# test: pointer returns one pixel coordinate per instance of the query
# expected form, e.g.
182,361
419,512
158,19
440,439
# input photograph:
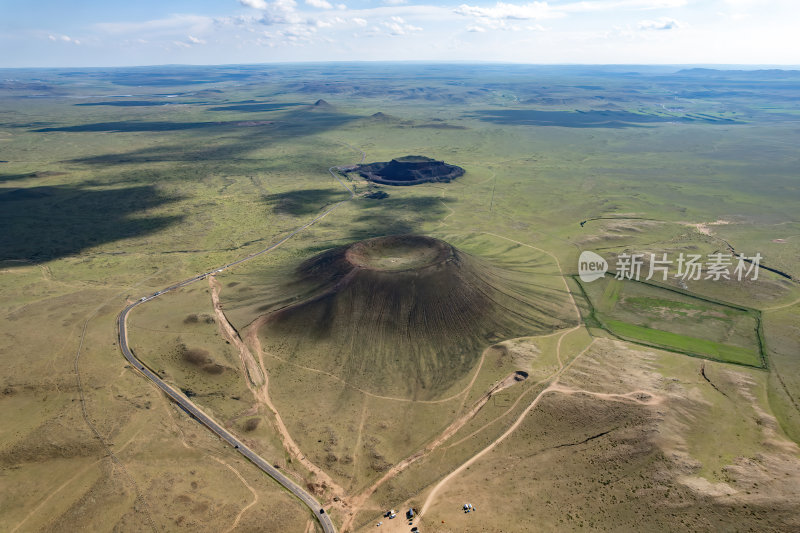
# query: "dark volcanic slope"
409,170
404,315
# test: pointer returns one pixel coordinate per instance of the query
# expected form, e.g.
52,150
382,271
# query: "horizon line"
714,66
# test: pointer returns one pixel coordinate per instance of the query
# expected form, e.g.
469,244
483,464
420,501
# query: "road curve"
207,421
188,406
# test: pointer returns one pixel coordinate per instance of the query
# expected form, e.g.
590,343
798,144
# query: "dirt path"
217,459
357,502
246,484
260,389
490,178
642,397
558,264
357,444
64,485
784,306
553,388
522,396
432,495
471,383
558,346
443,222
254,374
47,274
452,212
52,493
251,334
145,507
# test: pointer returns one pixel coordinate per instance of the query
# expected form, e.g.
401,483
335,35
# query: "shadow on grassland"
28,175
302,120
223,141
248,105
257,107
395,216
188,152
304,201
179,75
581,119
130,103
44,223
137,126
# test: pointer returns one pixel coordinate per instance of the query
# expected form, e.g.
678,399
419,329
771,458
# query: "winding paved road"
188,406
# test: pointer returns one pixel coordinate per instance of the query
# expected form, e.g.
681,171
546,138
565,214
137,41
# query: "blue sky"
71,33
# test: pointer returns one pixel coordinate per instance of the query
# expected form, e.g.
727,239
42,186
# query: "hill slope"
405,315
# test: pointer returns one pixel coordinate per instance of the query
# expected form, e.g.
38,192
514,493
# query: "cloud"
293,25
180,24
663,23
502,15
607,5
320,4
189,42
256,4
278,11
281,12
576,31
295,34
503,11
738,10
541,10
63,38
398,26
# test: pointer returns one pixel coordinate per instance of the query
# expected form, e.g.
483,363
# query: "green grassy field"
676,320
610,296
682,343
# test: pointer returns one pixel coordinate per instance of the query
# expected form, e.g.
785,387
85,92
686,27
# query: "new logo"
591,266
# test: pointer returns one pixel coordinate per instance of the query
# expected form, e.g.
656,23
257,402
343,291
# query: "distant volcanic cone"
409,170
404,315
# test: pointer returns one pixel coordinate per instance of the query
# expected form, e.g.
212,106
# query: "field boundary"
593,320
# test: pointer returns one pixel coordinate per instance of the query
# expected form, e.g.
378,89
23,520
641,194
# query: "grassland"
670,319
688,345
104,199
583,460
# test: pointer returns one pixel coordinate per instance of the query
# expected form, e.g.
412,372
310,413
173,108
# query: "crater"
404,252
409,170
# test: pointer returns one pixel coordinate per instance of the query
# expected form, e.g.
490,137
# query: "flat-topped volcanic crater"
403,315
402,252
409,170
